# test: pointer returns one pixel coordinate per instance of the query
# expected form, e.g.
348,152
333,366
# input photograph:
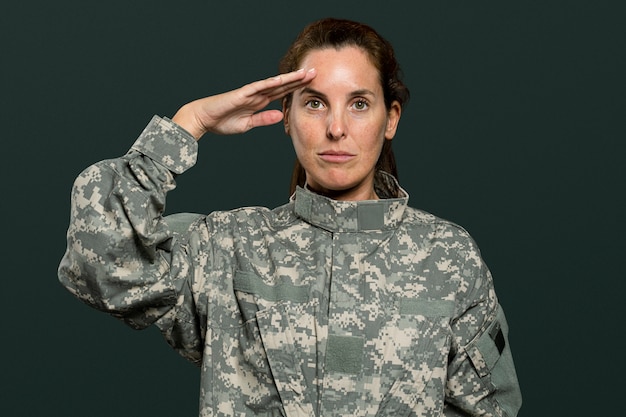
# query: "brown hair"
338,33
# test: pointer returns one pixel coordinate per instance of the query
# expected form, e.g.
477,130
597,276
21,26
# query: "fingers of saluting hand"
236,111
276,87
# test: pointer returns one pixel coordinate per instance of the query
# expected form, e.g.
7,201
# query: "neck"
354,194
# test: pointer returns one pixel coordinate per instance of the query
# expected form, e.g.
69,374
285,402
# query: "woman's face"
338,123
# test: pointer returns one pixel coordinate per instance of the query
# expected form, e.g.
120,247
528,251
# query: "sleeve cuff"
168,144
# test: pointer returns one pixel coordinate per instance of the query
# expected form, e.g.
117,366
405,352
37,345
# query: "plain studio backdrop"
515,130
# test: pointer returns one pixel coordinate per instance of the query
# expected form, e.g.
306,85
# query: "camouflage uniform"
315,308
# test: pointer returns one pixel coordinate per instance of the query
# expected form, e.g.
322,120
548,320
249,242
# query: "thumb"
265,118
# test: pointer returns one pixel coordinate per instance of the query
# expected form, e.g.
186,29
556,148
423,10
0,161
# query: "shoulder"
443,228
442,235
231,222
252,218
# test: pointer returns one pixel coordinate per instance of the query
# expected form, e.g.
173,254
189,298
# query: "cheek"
297,147
300,147
374,138
302,136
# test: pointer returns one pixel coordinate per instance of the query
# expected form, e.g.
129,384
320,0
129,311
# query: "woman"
345,301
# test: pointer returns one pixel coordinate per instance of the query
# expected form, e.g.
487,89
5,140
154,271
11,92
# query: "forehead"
348,66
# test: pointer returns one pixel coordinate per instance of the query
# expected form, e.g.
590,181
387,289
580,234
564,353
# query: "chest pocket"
418,339
254,294
263,356
397,368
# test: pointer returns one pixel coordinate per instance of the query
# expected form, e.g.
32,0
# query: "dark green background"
515,131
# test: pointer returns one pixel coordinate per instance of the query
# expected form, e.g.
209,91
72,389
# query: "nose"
336,126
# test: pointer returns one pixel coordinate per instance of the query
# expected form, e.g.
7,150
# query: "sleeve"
123,257
481,375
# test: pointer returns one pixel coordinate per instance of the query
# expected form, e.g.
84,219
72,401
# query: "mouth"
336,157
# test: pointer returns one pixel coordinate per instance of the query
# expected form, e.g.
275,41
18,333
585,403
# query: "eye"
313,104
360,104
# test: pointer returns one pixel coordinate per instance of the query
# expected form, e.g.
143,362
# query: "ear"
393,118
286,109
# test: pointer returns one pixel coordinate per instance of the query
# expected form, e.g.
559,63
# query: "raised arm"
123,257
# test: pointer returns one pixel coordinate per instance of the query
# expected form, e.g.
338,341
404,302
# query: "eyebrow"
361,92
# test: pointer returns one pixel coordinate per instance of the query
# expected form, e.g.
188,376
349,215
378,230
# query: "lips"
336,157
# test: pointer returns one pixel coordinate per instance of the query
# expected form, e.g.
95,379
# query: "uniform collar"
352,216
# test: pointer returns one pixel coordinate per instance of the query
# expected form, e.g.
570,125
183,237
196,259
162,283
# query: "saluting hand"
239,110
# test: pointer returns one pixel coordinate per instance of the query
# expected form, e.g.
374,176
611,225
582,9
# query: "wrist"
185,118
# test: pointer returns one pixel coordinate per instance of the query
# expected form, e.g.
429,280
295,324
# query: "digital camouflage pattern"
316,308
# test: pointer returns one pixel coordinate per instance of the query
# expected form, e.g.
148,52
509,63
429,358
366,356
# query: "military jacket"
315,308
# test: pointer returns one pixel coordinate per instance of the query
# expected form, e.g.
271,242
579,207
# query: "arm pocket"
486,350
491,356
